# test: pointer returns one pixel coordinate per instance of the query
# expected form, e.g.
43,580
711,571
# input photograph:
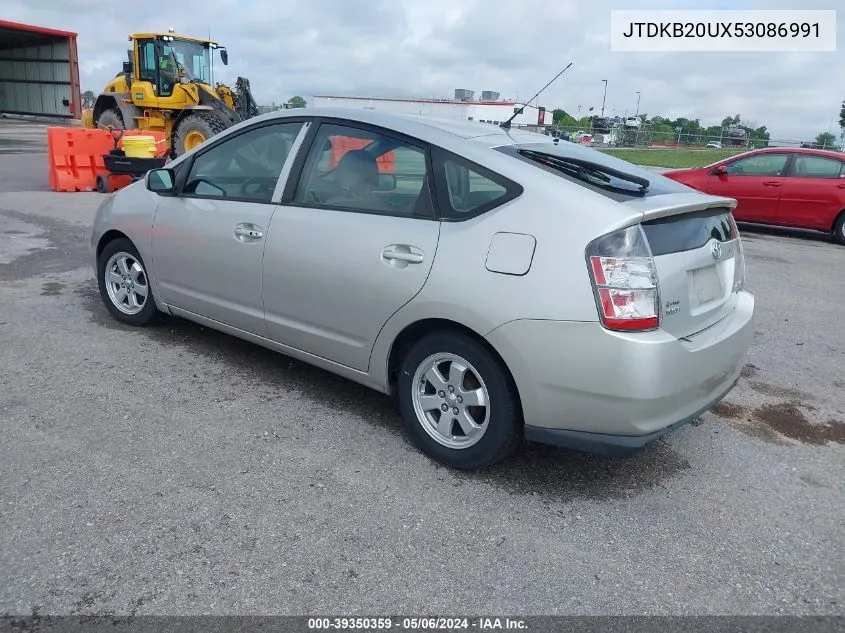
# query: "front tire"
124,284
111,119
194,130
459,401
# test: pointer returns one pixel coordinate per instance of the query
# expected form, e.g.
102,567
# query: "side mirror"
721,170
161,180
127,68
386,182
224,56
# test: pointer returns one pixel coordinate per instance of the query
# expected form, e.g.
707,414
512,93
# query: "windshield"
194,57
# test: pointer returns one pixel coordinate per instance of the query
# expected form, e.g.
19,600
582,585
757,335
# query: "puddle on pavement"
20,239
51,288
21,146
781,423
779,392
30,247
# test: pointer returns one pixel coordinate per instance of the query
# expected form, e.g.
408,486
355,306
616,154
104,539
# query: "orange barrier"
343,144
76,155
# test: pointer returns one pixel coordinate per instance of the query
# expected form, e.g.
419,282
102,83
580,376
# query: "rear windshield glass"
616,188
686,232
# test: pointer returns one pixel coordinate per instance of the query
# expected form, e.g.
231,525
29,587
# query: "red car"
802,188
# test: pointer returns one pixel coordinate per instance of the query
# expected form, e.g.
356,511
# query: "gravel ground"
175,470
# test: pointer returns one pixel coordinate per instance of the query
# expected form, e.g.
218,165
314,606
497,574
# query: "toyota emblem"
716,249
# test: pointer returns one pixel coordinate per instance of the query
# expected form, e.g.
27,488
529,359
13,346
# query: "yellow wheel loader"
166,86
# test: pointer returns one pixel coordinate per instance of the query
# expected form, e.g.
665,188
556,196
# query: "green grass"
673,158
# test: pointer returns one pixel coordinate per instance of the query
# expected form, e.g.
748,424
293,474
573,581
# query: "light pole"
604,97
637,115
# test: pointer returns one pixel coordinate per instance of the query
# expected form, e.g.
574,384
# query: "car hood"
676,172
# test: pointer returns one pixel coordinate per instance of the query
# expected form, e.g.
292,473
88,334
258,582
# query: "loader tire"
111,118
195,129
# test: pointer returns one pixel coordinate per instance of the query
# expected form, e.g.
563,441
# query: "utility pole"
604,97
637,115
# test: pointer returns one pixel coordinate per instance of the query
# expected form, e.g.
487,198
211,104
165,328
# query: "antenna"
507,124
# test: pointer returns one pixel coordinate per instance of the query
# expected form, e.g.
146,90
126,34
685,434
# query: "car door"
755,181
208,239
813,192
352,242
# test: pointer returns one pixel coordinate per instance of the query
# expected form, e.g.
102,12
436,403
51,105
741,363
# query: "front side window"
808,166
364,170
244,167
759,165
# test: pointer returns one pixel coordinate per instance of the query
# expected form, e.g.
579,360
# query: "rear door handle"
772,183
841,185
403,253
246,232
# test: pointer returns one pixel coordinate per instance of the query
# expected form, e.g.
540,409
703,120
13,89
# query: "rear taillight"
625,280
739,262
733,227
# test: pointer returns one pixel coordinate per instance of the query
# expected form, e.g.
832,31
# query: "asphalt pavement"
175,470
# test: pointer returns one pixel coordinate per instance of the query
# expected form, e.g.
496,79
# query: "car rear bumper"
609,445
586,387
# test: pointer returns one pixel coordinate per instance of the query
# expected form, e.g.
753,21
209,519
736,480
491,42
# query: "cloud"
428,48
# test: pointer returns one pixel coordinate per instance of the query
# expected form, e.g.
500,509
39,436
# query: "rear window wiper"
587,171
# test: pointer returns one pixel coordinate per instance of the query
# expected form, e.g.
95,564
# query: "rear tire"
839,229
451,370
195,129
111,119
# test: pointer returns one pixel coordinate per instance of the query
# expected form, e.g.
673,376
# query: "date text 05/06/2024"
416,623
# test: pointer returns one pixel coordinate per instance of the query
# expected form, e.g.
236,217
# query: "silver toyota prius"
501,285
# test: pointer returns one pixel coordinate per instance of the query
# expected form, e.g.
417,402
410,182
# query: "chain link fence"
649,136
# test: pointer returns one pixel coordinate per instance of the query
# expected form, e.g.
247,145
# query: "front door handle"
403,254
841,185
246,232
772,183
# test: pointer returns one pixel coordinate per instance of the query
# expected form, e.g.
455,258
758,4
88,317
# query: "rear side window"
466,189
808,166
686,232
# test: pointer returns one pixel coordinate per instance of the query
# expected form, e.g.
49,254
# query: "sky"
427,48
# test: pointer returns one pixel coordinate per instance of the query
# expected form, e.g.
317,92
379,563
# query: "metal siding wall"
487,112
20,90
446,110
435,109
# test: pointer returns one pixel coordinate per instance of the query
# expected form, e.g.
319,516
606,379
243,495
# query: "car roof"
487,134
795,150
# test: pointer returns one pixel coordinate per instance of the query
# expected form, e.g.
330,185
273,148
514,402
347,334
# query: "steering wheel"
259,180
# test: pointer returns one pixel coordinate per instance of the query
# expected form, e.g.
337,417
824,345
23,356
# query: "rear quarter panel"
561,216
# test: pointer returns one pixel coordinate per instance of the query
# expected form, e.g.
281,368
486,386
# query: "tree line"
693,132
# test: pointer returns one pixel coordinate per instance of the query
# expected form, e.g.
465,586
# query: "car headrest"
357,170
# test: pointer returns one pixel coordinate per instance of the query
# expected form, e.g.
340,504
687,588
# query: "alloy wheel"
126,283
451,400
